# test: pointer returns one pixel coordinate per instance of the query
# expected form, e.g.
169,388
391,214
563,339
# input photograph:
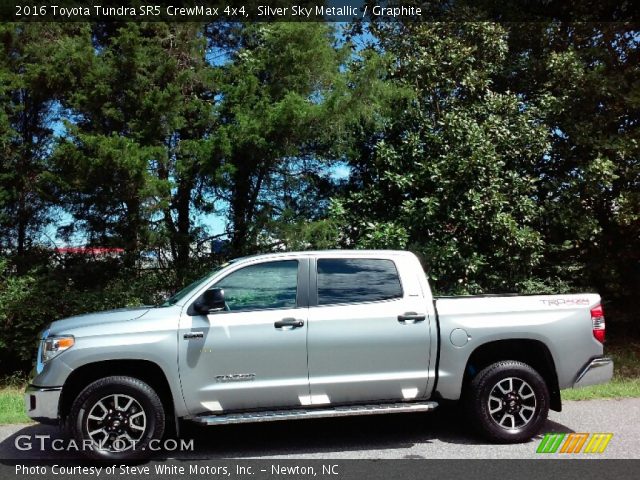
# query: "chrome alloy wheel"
116,423
512,403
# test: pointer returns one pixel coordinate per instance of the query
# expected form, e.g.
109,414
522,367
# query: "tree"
585,78
279,113
30,84
452,175
140,138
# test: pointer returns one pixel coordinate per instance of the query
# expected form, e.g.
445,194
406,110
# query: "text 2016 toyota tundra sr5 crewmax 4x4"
314,334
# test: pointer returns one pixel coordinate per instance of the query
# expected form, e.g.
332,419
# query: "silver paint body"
344,354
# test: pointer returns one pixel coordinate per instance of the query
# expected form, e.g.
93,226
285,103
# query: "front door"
253,354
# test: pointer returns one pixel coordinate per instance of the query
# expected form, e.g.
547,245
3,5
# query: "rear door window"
357,280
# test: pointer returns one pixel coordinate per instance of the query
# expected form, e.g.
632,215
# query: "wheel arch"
532,352
145,370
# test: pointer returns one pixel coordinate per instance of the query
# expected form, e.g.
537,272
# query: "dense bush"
65,287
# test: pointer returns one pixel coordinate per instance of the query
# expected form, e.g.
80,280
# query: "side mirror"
211,300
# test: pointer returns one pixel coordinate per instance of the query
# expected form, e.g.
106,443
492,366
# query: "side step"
321,412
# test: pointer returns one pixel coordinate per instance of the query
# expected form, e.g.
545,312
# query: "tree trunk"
183,233
131,234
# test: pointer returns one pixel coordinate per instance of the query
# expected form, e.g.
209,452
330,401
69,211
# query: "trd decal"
557,302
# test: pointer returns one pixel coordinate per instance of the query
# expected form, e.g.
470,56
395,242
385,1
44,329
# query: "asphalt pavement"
442,434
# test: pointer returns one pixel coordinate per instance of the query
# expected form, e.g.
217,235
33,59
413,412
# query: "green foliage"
29,86
384,235
452,175
582,79
14,292
12,406
282,117
138,158
67,286
512,166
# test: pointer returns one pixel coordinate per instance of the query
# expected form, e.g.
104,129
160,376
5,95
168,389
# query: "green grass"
12,399
12,406
626,375
617,388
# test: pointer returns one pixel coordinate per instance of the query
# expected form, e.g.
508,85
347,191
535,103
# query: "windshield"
176,297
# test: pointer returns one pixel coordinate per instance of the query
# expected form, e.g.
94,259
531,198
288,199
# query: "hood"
99,318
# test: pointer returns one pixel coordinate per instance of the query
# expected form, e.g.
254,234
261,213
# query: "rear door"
253,354
368,336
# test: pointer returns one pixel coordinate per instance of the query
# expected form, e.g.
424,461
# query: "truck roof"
335,252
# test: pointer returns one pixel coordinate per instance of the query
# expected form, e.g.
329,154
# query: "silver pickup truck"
299,335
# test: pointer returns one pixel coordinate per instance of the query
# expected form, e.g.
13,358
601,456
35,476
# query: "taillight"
597,319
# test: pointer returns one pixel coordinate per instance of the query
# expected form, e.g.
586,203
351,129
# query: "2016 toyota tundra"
314,334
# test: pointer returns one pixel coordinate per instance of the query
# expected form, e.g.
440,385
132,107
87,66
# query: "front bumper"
598,370
42,403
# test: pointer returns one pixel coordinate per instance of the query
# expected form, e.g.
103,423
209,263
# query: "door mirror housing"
211,300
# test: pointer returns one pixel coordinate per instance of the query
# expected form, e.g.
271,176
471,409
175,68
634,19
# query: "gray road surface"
441,434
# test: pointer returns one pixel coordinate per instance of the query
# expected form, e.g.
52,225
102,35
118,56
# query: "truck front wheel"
508,402
116,418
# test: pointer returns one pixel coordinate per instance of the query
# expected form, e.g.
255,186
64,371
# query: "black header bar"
330,10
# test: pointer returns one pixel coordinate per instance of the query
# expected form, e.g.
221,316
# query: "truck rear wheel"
508,402
116,417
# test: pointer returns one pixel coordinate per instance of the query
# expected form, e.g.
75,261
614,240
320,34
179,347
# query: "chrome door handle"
411,317
289,322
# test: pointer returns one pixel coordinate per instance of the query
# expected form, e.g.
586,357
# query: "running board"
322,412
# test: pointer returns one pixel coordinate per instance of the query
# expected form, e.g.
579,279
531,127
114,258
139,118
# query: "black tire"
504,410
98,399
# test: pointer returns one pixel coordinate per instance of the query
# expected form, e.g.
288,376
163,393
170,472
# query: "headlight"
54,346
